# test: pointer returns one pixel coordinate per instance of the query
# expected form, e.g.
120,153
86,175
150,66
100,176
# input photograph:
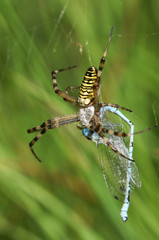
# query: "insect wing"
135,178
114,168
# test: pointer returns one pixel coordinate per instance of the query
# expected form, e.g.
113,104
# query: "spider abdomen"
86,92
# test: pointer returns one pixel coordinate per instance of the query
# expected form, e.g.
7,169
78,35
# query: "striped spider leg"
65,94
59,121
100,69
68,89
50,124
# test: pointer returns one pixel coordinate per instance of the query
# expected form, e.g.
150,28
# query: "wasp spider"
89,106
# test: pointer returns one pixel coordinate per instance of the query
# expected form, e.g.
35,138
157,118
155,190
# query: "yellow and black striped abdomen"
86,92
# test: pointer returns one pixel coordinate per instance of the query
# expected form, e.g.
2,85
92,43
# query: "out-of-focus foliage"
65,197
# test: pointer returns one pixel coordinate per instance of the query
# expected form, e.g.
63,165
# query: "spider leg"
113,105
36,139
104,56
112,147
123,134
101,65
52,123
64,95
55,122
39,127
68,89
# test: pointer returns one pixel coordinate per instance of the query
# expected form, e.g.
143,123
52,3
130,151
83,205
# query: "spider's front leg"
64,95
100,69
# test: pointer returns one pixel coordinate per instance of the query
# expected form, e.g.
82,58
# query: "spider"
89,117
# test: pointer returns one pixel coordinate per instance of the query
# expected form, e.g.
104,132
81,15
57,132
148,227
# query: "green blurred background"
65,196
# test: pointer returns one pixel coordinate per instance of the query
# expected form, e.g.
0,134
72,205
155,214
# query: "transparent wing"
115,167
135,178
